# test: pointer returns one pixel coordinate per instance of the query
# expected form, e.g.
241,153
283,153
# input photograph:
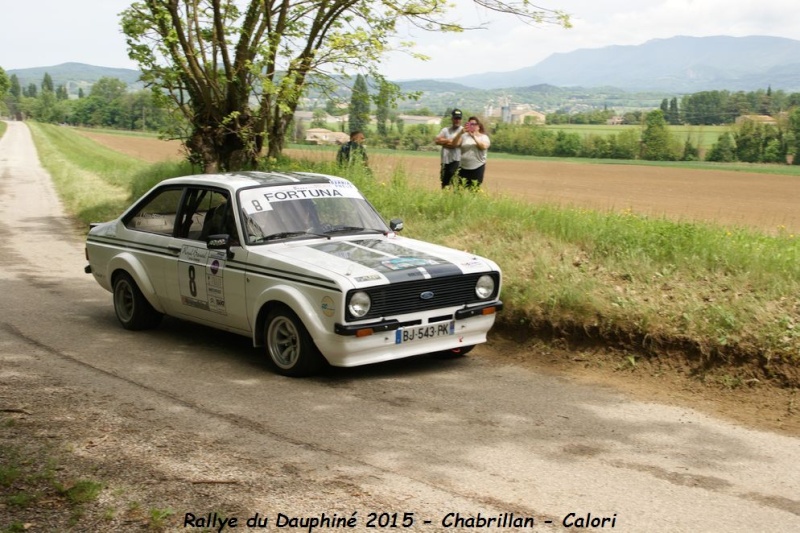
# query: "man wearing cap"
451,155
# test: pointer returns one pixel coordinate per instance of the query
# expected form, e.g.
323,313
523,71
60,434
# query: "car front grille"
407,297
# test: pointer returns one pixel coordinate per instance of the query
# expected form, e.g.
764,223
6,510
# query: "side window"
157,215
207,212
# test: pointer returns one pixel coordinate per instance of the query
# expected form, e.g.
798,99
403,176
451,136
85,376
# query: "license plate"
419,333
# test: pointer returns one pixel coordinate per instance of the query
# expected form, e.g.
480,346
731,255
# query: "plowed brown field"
762,201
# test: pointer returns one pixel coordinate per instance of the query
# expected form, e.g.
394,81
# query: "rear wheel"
133,310
290,348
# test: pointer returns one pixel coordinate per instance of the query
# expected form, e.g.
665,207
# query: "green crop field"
701,136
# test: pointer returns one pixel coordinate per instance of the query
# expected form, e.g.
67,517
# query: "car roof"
239,180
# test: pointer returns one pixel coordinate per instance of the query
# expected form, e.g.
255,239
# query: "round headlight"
359,304
485,287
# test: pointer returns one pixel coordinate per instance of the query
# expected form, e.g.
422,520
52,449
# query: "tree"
656,139
750,140
567,144
706,108
673,116
319,118
16,89
690,151
47,83
5,83
793,136
724,150
105,101
358,119
209,58
382,107
47,108
631,117
104,105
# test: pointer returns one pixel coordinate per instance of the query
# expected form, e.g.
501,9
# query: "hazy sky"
41,33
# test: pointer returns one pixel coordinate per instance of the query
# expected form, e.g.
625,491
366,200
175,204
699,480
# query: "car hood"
380,260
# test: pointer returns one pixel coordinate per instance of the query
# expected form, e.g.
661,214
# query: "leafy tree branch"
237,70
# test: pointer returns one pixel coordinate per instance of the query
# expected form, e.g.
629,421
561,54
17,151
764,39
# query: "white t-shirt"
450,155
473,157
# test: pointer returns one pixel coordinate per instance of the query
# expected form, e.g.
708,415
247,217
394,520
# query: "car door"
206,289
150,237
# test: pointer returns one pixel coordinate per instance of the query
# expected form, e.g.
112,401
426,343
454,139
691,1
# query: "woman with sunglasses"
474,144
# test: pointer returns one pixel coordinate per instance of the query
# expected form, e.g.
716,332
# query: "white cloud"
48,32
41,33
511,44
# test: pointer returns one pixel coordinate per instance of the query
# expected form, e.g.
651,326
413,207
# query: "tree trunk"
224,147
202,151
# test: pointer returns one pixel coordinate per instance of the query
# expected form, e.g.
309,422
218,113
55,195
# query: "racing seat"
215,221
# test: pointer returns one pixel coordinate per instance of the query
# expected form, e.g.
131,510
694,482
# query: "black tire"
455,352
133,310
290,349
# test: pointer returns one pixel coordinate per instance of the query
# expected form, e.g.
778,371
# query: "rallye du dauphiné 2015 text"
395,520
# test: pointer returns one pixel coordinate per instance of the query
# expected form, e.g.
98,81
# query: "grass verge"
717,295
29,479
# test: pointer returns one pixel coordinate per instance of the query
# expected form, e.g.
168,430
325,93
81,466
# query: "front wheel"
290,348
133,310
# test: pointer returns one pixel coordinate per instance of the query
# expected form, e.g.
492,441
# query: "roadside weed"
83,491
158,518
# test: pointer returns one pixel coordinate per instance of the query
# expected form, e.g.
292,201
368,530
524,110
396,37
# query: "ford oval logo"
427,295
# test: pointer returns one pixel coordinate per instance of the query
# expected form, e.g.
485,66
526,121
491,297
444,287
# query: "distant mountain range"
674,65
73,75
669,67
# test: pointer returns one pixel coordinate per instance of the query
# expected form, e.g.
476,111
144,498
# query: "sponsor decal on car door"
201,280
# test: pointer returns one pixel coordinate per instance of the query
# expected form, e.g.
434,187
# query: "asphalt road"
421,436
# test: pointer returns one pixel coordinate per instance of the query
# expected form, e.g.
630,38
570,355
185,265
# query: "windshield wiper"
352,229
290,234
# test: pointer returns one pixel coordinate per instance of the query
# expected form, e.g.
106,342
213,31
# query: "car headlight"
485,287
359,304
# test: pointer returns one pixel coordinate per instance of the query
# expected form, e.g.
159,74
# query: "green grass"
158,518
94,182
650,284
83,491
623,276
29,476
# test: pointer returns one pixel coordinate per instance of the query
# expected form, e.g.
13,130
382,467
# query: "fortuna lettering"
300,194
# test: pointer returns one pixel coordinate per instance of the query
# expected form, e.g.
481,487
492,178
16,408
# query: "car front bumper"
354,346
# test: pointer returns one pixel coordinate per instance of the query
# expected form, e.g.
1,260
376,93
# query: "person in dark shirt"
451,155
353,151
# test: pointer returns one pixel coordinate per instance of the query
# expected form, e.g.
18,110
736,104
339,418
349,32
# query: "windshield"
307,211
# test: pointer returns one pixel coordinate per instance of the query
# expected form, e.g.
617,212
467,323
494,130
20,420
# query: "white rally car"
299,262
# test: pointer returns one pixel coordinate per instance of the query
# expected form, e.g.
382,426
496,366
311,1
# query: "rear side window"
158,214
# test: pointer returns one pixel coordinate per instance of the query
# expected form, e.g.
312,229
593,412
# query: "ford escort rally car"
301,263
